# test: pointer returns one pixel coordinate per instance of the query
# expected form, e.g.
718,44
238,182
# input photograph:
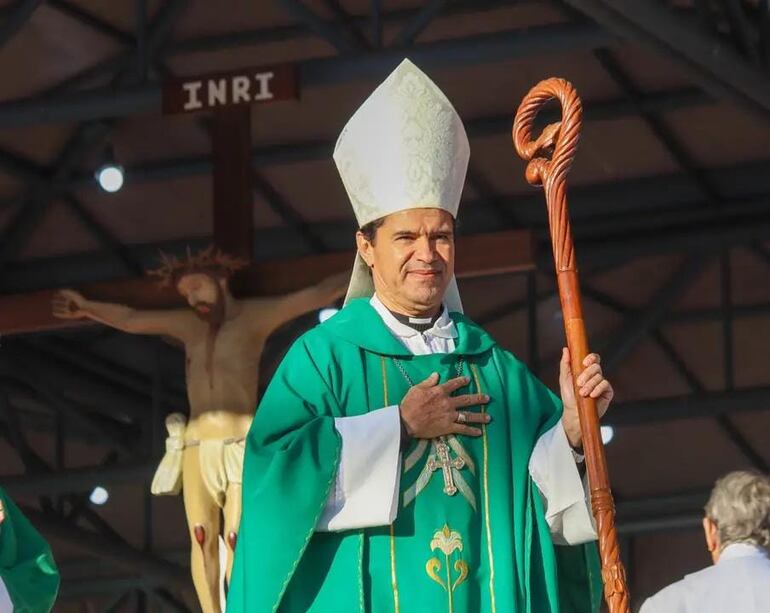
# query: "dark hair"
369,230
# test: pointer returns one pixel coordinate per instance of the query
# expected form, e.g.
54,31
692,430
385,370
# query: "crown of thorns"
210,260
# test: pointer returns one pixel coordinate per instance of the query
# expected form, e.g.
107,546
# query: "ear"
365,249
712,534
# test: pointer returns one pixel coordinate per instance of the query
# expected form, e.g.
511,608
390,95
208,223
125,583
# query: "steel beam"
481,255
707,404
109,550
668,219
78,479
322,28
421,21
346,21
22,168
597,110
97,429
636,327
658,126
761,309
104,236
743,35
110,370
288,214
19,15
77,589
79,144
708,61
97,396
698,238
668,523
219,42
376,9
500,46
92,21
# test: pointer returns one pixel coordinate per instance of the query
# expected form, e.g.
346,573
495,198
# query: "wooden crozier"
549,159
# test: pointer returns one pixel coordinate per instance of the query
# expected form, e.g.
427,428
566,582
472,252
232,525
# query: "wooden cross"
446,464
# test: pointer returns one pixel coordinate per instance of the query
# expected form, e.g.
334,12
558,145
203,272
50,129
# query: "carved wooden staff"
559,141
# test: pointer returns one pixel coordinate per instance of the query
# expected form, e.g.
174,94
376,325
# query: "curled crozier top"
550,156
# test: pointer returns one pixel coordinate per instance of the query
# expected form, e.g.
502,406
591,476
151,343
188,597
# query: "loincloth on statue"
220,461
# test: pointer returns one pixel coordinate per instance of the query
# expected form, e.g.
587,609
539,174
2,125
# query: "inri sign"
214,91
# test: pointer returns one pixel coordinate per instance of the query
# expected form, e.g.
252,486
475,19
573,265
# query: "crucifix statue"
223,338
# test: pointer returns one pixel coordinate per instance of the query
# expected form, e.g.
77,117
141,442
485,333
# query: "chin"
428,298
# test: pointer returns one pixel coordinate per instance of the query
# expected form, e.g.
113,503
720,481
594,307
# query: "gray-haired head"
740,507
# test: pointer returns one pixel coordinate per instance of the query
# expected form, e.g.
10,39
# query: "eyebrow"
446,232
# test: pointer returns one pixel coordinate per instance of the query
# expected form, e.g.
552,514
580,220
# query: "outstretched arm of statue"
272,313
69,304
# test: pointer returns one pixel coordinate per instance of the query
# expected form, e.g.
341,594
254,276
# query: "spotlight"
110,177
325,314
608,433
99,495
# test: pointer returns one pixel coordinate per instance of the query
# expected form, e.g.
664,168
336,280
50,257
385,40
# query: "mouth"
202,308
425,275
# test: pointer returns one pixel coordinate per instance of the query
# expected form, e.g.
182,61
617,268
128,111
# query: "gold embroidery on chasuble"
448,455
393,575
448,575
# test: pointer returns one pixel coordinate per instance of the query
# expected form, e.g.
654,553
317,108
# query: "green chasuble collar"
360,324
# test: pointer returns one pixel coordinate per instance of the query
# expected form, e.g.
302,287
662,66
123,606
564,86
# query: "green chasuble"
486,548
26,564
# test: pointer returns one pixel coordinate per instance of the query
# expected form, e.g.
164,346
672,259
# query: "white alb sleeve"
553,466
365,492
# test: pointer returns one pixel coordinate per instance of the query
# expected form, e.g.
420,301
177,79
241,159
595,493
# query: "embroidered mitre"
404,148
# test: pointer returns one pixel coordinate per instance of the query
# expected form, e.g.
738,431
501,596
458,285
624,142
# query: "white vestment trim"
366,490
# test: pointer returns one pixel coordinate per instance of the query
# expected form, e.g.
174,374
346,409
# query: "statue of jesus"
223,338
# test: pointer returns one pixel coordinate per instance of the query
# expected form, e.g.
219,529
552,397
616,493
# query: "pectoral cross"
442,460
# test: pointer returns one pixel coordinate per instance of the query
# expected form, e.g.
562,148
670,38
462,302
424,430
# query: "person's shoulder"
322,339
472,338
751,568
314,339
671,599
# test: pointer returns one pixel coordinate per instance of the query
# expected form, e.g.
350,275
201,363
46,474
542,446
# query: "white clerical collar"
443,327
742,550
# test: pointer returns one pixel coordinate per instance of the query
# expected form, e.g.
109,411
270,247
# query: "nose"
425,250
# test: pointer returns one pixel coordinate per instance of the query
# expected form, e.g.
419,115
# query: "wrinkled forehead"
419,219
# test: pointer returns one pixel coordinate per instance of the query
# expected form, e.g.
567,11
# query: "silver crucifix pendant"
442,460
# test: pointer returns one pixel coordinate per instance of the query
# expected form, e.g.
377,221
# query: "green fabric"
292,454
26,565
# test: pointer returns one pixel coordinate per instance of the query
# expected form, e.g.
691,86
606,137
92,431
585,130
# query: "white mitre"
404,148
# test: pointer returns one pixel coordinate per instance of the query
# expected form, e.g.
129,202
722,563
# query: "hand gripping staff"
558,142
